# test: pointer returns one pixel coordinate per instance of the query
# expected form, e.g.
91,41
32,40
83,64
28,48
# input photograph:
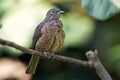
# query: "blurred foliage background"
88,25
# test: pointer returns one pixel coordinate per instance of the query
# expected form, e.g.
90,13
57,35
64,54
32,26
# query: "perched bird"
48,37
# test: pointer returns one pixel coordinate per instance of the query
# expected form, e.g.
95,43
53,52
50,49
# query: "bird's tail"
32,64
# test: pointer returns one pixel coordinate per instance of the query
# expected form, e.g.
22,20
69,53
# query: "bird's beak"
61,12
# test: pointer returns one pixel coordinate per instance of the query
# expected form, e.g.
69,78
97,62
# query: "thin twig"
100,70
56,57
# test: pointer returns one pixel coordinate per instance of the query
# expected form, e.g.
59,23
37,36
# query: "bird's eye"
53,11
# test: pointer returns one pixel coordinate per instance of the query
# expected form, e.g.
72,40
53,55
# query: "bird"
48,37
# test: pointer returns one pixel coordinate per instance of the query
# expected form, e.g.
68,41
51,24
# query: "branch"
93,63
100,70
56,57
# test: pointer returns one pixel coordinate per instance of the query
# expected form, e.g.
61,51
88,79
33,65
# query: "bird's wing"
37,34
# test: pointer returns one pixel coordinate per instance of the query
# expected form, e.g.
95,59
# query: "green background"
88,25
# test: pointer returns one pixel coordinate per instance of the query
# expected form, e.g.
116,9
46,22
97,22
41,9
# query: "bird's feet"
49,55
45,54
52,56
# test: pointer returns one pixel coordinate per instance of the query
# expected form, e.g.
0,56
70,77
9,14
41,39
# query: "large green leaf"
101,9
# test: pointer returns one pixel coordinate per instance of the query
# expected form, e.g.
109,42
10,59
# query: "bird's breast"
58,41
52,38
52,44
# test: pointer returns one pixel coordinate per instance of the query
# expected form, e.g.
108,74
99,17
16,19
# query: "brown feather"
48,37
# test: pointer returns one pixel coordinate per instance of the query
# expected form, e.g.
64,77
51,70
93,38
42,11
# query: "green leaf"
101,9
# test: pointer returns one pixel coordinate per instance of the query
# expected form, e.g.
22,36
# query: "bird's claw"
45,54
52,56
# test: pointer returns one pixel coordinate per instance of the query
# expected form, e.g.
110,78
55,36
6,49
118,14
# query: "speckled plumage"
48,37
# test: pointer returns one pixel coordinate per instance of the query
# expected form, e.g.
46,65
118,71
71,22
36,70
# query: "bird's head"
54,13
